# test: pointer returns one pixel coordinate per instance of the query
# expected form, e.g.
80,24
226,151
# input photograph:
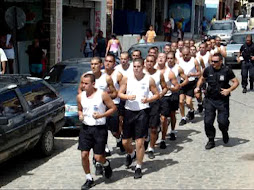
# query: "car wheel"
46,143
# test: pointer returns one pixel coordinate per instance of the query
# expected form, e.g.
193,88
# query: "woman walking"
113,46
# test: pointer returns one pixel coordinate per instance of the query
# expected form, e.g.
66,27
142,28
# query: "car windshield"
239,39
242,19
66,73
221,26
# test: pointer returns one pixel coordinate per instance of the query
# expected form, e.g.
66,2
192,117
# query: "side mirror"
4,121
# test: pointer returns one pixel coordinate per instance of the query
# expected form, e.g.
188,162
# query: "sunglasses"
215,61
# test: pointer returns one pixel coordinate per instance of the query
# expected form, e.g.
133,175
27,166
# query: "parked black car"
31,112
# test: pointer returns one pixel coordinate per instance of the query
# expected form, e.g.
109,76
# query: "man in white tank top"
152,51
193,53
103,81
161,62
167,49
165,103
136,54
205,56
113,120
173,100
174,46
219,48
192,69
180,46
154,114
124,66
135,90
92,103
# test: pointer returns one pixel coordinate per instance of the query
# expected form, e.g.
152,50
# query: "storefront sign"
58,52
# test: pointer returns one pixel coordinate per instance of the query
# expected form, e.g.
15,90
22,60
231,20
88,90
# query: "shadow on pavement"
183,136
29,160
198,118
147,168
233,141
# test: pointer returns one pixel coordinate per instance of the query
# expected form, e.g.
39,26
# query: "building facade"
60,24
156,11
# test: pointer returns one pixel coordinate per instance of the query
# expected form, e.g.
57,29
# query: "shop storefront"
36,26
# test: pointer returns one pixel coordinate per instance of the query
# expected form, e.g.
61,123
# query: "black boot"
210,144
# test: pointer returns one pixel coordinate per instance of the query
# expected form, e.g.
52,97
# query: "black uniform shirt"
247,51
216,80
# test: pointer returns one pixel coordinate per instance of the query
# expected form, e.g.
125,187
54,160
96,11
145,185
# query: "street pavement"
184,164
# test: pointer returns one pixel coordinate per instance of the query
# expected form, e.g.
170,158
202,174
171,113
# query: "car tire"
46,143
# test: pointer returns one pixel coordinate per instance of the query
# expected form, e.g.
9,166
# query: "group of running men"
136,99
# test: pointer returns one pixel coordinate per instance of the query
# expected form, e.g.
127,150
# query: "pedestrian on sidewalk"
150,34
179,26
9,52
141,38
3,60
92,104
167,27
87,46
100,44
218,91
247,53
113,46
36,55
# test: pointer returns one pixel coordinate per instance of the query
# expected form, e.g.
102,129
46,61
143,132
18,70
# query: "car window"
9,104
37,94
221,26
239,39
242,19
66,73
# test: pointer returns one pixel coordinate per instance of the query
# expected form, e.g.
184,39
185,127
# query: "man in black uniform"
217,97
247,52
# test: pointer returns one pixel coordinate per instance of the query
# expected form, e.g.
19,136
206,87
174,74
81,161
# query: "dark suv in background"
31,112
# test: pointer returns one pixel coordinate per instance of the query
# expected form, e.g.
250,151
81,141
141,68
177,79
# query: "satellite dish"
15,17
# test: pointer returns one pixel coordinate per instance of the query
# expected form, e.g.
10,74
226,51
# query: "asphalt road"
184,164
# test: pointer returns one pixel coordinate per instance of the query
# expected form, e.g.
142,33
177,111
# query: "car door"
15,134
38,97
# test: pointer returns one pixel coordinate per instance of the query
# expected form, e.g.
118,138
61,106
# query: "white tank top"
120,69
116,85
91,105
205,58
157,79
175,70
139,88
168,82
101,83
177,54
188,67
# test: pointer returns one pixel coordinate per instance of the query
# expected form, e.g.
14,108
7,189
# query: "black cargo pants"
222,107
247,68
